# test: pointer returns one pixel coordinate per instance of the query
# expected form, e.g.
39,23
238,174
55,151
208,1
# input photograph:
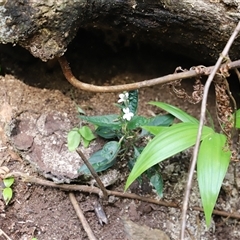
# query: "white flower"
127,114
123,97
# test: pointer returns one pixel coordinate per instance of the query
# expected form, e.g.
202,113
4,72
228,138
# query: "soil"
31,89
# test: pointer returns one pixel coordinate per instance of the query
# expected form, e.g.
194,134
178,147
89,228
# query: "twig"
95,190
81,217
93,172
4,234
203,112
131,86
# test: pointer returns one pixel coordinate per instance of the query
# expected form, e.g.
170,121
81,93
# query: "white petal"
126,110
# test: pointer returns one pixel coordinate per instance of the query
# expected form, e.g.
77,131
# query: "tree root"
193,72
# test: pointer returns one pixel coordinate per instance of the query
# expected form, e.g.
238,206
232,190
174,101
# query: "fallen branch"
93,172
4,234
81,217
95,190
202,118
195,71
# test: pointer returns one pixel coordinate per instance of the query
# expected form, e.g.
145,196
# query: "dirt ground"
28,85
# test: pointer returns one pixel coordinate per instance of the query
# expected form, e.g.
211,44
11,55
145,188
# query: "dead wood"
195,28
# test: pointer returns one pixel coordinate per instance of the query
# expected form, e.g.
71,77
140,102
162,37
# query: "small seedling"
77,134
7,190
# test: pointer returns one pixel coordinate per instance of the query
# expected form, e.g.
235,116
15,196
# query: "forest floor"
31,88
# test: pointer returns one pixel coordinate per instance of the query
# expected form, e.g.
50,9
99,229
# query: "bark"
195,28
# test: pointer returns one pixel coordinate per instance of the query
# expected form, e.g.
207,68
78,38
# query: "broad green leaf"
133,101
157,182
161,120
169,142
176,112
155,122
8,182
86,133
104,120
154,129
73,139
102,159
212,165
136,122
7,194
106,132
98,162
237,124
110,150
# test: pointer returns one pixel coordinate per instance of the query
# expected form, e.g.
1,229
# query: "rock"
41,140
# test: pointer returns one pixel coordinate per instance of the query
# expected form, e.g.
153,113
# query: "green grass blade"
176,112
212,165
170,141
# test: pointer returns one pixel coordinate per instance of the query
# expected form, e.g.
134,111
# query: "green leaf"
103,121
176,112
161,120
133,101
8,182
169,142
110,150
102,160
85,142
136,122
73,139
153,125
237,124
157,182
86,133
154,129
212,165
106,132
7,194
98,162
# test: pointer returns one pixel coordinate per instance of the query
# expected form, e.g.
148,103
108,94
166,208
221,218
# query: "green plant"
213,158
124,136
7,190
77,134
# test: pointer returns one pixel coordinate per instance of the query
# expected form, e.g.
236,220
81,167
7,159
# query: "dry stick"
203,112
4,234
81,217
93,172
95,190
131,86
